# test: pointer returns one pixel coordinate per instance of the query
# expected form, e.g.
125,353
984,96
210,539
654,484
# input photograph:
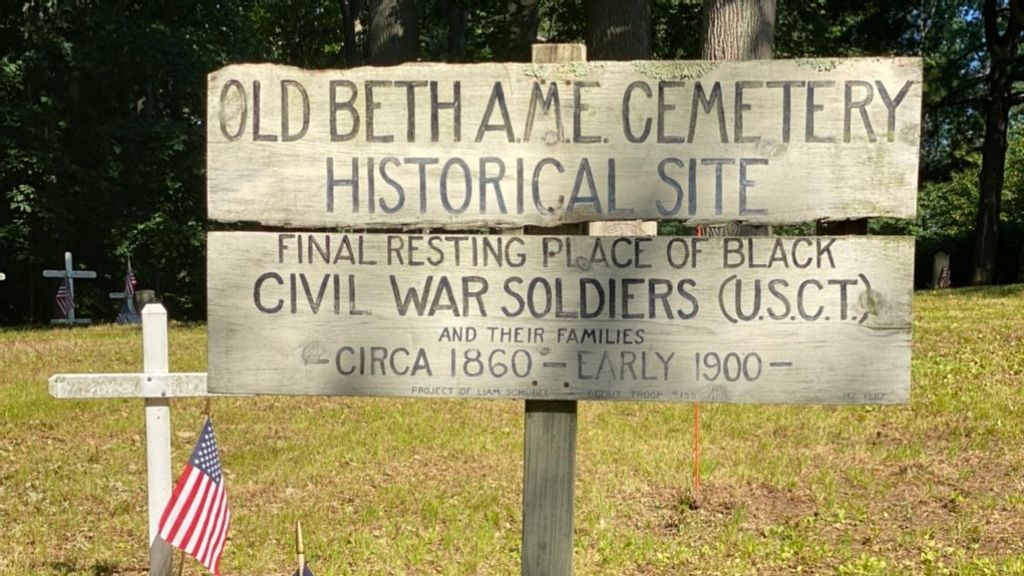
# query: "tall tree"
1004,31
351,12
522,18
618,29
392,34
737,29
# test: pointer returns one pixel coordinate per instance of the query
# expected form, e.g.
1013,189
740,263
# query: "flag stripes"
197,517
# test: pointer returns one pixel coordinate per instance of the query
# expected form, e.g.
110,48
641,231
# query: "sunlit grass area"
435,486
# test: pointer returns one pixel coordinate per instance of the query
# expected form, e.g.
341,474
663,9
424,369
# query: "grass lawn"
435,487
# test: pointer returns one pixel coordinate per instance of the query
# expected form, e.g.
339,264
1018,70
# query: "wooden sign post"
69,274
554,317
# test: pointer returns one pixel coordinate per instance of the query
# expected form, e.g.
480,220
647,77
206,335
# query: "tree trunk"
458,23
392,35
993,171
1002,52
523,18
737,29
351,12
618,30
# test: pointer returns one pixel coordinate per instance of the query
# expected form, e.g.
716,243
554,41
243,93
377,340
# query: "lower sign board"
675,319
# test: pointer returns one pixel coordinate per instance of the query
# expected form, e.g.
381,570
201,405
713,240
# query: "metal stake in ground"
69,273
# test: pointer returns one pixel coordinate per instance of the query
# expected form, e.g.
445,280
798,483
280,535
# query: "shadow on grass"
981,291
98,569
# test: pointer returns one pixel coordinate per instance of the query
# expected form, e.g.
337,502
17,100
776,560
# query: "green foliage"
102,104
102,108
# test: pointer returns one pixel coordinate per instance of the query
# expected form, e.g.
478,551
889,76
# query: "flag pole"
299,550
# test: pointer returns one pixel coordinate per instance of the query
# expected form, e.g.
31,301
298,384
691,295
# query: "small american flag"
196,518
65,299
129,282
127,314
944,281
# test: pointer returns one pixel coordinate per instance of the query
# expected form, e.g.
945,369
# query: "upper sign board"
440,145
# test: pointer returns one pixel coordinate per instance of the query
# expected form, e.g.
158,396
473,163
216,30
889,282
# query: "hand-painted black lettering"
748,183
801,300
541,208
843,296
455,105
773,288
410,105
421,164
395,185
497,99
348,106
509,287
755,305
718,163
578,109
740,108
812,109
495,181
547,102
706,103
787,102
228,104
591,308
628,296
371,106
861,105
286,134
681,288
890,105
593,198
674,184
467,190
664,108
256,135
659,290
333,182
627,127
257,293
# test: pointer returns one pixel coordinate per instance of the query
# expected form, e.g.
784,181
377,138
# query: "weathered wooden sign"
767,320
530,144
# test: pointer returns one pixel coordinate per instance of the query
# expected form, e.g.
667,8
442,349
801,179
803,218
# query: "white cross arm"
182,384
64,274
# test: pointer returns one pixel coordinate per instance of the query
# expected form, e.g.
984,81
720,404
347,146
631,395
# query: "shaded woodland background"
102,106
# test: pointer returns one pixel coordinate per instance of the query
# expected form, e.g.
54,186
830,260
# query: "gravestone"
68,276
143,297
940,271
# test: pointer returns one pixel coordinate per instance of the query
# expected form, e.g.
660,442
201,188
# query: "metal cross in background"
69,274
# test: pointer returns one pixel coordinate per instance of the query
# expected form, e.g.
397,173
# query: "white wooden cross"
70,273
156,386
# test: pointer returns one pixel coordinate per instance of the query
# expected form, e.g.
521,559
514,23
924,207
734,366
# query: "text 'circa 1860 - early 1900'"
768,319
517,144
